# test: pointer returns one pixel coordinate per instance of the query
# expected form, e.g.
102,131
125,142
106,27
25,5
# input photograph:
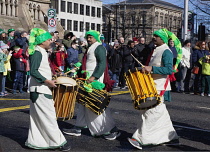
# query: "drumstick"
71,70
138,61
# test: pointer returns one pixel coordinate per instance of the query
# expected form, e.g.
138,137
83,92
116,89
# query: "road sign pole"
185,18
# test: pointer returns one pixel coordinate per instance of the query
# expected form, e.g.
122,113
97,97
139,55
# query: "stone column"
16,10
8,10
3,8
13,10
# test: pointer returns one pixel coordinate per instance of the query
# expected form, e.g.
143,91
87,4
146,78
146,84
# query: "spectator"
22,41
72,56
184,65
200,51
116,63
174,51
69,37
82,48
205,62
3,36
11,38
60,57
19,69
141,47
128,61
3,58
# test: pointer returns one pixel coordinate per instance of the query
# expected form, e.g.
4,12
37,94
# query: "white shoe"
209,95
202,94
134,143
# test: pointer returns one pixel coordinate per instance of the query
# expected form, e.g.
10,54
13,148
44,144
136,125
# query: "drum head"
66,81
147,103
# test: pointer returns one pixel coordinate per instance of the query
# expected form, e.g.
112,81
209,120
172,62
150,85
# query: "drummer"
155,126
94,61
43,131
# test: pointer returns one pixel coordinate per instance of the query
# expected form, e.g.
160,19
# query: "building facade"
23,14
137,18
79,16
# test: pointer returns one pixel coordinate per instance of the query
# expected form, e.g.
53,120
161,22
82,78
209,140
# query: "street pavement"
190,115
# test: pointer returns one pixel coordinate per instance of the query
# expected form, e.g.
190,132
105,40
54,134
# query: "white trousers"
43,131
155,126
97,124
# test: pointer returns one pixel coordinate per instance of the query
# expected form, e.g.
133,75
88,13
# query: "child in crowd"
7,67
19,69
205,77
3,58
60,56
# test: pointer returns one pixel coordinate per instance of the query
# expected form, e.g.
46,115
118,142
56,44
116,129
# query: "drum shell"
64,96
142,89
97,100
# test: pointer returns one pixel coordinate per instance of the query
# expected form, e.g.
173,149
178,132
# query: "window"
81,26
81,9
75,8
75,25
69,7
98,27
63,24
98,12
69,25
156,19
63,6
161,20
93,13
87,26
92,26
166,21
54,4
88,10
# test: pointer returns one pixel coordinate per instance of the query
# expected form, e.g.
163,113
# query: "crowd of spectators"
66,51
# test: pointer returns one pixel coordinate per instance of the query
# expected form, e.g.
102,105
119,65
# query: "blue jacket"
72,56
197,54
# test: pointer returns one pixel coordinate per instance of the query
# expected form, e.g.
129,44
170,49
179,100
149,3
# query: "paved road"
190,115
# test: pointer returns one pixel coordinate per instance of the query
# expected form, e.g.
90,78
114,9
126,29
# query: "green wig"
37,36
165,35
93,33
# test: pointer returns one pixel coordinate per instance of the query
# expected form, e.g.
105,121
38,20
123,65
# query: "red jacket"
60,57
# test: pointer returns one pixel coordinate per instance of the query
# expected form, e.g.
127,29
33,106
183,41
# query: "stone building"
79,16
24,14
136,18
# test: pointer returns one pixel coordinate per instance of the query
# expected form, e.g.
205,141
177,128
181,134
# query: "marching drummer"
43,131
155,126
95,64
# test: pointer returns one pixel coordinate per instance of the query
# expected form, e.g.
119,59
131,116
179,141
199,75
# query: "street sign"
52,22
51,13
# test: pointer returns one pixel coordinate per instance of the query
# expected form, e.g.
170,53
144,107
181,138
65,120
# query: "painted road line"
204,108
14,108
27,106
191,128
12,99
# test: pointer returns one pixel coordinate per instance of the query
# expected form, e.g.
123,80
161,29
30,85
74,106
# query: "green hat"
2,31
93,33
165,35
10,30
37,36
102,37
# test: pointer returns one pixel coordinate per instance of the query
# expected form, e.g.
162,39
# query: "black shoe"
65,147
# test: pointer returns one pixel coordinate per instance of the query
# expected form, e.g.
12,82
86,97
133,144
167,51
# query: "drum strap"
165,86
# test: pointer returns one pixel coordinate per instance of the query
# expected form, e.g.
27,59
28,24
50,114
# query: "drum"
64,96
142,89
97,100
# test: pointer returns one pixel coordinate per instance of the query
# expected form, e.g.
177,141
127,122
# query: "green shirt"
3,58
35,61
100,54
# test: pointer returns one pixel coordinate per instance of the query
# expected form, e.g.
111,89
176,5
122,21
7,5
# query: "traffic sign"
51,13
190,26
52,22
